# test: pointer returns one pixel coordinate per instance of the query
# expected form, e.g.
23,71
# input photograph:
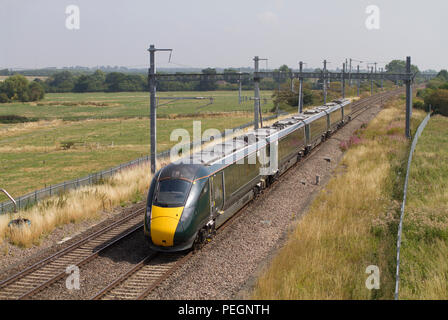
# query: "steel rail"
50,269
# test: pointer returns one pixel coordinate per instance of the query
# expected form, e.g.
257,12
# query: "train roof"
231,150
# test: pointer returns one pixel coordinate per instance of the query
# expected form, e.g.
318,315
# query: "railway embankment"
351,226
229,266
424,249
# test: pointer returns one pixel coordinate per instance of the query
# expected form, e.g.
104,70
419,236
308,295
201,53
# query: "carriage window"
172,193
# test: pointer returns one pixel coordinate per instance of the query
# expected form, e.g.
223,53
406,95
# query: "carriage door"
217,194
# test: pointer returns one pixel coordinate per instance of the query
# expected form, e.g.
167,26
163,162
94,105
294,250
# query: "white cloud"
267,17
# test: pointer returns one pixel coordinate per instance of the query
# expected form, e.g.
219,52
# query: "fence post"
256,93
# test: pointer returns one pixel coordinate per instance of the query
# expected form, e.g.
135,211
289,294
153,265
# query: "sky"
211,33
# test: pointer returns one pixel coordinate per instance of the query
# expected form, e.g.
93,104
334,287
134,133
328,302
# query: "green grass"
129,105
424,263
106,128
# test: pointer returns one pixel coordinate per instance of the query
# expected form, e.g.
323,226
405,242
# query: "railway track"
151,271
47,271
139,280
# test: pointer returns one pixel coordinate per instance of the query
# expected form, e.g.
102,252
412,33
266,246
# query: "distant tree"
207,84
4,72
117,81
16,88
443,74
288,97
399,66
81,84
268,84
91,83
230,75
113,81
3,97
63,81
444,86
35,91
97,81
435,83
438,100
284,68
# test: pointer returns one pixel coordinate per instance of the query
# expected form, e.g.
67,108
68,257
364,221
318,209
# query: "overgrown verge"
352,223
424,252
76,205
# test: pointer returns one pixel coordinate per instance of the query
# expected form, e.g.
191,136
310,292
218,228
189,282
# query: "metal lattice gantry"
324,75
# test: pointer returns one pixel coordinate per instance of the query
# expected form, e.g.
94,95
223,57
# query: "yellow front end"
164,223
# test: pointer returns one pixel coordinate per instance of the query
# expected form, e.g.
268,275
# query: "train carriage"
190,198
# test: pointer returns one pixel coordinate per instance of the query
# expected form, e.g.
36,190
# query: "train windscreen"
172,193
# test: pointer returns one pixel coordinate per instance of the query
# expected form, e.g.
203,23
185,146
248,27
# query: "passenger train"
188,200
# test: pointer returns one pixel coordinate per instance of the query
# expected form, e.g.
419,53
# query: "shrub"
438,100
419,105
35,91
14,119
67,145
18,88
3,97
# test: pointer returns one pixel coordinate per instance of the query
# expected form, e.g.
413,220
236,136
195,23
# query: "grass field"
424,263
80,106
106,129
352,223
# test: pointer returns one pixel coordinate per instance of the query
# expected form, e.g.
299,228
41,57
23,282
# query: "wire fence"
28,200
405,190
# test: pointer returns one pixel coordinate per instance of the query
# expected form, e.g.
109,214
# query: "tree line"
435,95
99,81
18,88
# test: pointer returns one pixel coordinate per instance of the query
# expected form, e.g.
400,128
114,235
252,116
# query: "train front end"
177,207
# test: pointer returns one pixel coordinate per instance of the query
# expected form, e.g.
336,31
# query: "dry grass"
77,205
350,225
19,128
